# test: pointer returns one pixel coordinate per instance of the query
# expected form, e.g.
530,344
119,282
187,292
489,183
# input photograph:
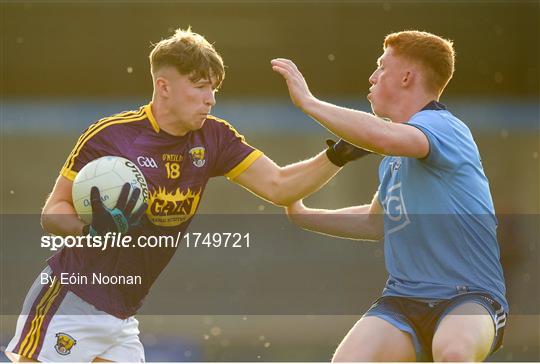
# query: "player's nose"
210,98
373,78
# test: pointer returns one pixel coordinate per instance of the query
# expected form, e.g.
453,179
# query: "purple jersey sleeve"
100,139
234,155
92,144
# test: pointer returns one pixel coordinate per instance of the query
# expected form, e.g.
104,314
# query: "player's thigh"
128,347
466,333
374,339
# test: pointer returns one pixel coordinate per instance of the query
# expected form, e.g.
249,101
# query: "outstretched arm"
284,185
364,222
359,128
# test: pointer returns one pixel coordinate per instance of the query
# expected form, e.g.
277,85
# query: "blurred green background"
66,64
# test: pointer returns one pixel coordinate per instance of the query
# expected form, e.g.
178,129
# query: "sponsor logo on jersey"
197,156
147,162
172,157
64,343
172,208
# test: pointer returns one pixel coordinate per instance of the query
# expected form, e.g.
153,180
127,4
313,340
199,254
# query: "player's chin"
198,123
377,107
373,104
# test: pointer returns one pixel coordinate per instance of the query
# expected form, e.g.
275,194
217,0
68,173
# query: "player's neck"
166,120
411,105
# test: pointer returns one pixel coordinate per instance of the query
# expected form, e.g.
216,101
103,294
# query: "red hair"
434,53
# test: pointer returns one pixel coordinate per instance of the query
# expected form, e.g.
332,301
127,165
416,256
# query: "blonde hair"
434,53
190,54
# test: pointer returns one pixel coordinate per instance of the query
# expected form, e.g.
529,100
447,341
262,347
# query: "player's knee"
460,347
455,351
453,355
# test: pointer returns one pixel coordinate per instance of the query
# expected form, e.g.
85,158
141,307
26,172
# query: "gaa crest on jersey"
197,156
395,210
64,343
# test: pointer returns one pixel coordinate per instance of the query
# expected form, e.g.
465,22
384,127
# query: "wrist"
334,158
309,105
85,230
89,230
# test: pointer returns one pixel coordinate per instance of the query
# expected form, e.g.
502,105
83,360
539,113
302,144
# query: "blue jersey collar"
434,105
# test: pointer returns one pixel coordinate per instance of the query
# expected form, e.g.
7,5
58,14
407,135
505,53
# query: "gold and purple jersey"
177,169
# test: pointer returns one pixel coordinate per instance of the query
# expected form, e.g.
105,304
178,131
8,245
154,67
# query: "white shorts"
57,326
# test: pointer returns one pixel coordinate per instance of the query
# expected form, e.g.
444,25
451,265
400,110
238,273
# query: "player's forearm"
301,179
61,219
351,222
357,127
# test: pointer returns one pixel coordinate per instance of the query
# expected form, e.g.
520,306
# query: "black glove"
116,220
342,152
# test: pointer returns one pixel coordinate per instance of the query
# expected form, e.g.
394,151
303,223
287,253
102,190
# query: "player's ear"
407,79
162,86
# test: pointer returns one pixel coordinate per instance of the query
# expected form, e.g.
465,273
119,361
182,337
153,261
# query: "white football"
108,174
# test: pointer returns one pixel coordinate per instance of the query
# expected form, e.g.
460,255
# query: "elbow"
376,224
47,218
296,213
369,233
276,197
278,193
373,236
45,221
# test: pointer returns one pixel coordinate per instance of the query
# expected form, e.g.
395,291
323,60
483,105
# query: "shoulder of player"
110,125
214,121
220,125
434,118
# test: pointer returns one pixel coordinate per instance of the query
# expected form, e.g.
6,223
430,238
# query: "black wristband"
334,158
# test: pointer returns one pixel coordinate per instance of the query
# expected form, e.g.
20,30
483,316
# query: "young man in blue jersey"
445,295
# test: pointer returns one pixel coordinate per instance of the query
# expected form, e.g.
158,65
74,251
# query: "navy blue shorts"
420,317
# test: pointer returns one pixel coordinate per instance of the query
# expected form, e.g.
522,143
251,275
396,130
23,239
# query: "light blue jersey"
440,226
